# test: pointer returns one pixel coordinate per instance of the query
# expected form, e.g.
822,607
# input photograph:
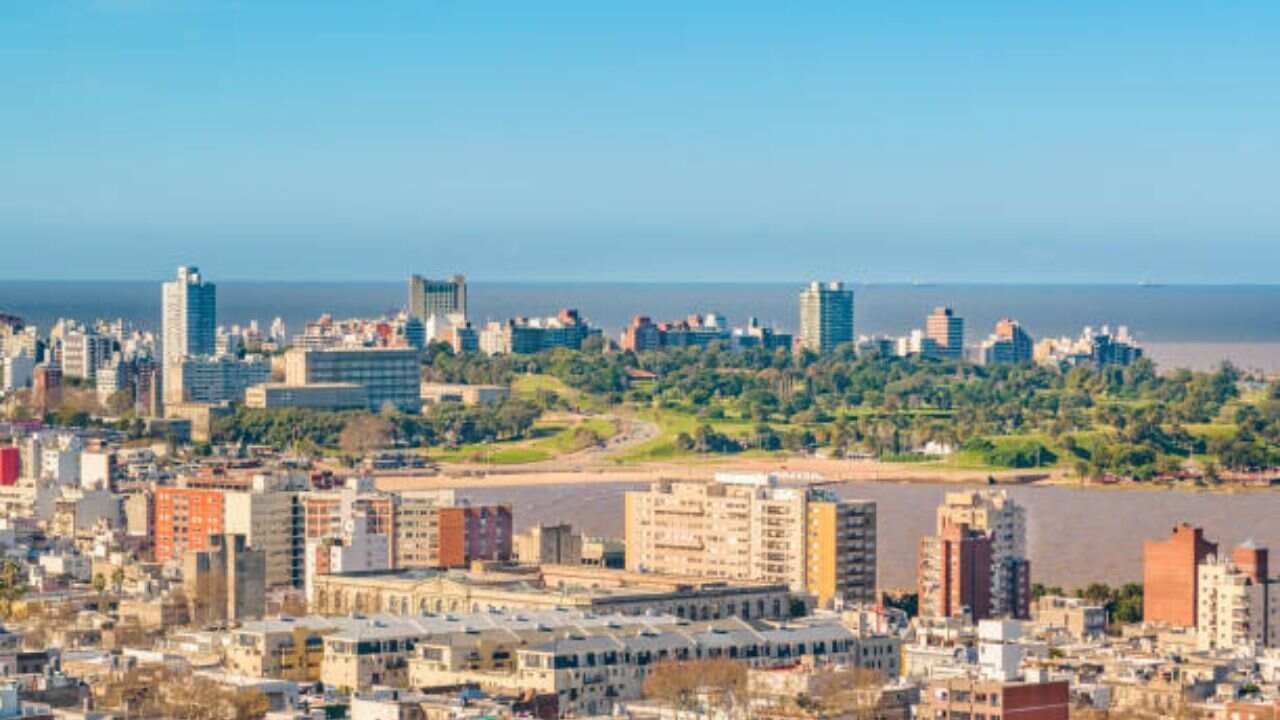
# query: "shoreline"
792,471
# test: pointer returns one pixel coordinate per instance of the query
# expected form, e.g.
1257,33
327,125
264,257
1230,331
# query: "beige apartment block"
747,527
417,527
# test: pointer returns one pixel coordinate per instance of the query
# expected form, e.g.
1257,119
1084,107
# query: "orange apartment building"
1170,576
184,520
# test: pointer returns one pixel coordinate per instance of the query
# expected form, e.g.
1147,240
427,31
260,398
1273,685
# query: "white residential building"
16,371
189,316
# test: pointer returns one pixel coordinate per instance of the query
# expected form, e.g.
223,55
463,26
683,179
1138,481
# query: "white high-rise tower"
189,316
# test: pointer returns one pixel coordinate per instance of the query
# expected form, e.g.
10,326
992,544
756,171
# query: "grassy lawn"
974,460
670,424
548,439
527,386
1212,431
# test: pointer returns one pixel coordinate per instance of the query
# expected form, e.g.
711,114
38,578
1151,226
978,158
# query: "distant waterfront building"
437,298
1097,348
877,346
694,331
746,527
918,344
642,335
388,375
757,335
946,330
521,336
1009,345
189,316
826,316
1170,576
415,333
463,339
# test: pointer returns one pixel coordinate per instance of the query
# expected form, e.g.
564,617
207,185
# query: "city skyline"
659,361
871,142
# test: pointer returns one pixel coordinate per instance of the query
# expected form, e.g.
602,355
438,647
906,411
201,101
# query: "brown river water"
1075,535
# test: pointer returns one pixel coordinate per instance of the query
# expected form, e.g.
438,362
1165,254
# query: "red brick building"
1252,561
968,697
474,533
954,573
10,466
184,520
1169,577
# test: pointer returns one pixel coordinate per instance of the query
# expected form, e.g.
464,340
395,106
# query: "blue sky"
993,141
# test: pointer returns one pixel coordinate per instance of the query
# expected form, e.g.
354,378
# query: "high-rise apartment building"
946,330
1170,576
1010,345
1005,522
746,527
189,316
388,375
1237,608
437,298
953,573
826,316
840,536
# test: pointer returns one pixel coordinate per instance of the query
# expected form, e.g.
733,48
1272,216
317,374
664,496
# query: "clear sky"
980,141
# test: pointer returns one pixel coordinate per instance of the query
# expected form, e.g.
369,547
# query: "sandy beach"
792,470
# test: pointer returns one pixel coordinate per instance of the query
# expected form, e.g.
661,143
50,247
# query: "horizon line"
1144,284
